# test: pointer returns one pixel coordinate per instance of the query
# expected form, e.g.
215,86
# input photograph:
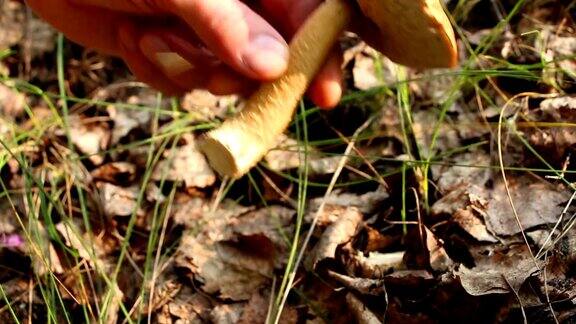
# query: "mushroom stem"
237,145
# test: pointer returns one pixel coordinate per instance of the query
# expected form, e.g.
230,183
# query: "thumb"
229,28
237,35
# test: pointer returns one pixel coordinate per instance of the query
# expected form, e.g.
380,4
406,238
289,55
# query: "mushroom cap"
415,33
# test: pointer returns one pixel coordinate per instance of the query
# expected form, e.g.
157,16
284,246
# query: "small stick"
243,140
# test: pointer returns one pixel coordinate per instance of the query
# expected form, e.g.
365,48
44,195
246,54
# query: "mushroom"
414,33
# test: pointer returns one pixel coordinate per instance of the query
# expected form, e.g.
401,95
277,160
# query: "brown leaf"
87,249
365,203
536,201
90,138
44,257
553,142
498,273
289,153
226,314
563,49
368,74
375,265
12,103
439,259
115,172
236,251
469,221
339,233
202,257
259,233
468,170
118,201
126,120
186,164
203,105
189,307
362,313
375,287
468,194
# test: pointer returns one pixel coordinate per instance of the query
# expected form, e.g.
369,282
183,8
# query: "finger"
91,27
224,81
187,63
140,65
178,61
327,87
142,7
232,31
289,14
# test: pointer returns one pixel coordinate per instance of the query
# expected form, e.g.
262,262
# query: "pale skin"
224,46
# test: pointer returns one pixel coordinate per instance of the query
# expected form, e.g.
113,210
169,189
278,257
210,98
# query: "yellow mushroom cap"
415,33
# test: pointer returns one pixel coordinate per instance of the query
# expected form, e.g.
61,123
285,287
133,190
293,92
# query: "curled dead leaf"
339,233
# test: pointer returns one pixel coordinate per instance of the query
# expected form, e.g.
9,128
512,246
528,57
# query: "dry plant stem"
243,140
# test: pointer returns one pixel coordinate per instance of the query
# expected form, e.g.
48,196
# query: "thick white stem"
242,141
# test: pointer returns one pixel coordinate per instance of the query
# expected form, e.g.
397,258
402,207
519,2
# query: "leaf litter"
382,250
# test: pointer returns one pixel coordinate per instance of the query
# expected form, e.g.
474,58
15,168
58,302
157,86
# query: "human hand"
224,46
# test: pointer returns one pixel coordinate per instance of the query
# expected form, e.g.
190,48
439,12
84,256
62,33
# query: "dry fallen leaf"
537,202
226,314
186,164
362,313
467,207
469,221
126,120
122,173
439,259
553,142
189,307
87,249
339,233
563,49
256,311
237,250
12,23
12,103
375,265
44,256
118,201
201,256
498,272
289,154
90,138
468,169
203,105
366,203
371,69
375,287
468,194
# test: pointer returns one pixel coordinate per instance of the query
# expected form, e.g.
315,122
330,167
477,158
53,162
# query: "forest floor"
425,197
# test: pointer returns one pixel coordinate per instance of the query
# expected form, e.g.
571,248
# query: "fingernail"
157,51
266,56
